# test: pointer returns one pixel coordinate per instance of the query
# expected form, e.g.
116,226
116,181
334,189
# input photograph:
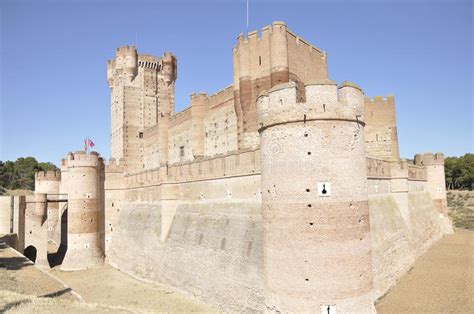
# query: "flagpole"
247,16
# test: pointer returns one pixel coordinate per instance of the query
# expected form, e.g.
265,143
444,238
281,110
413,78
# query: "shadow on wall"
55,259
30,253
13,262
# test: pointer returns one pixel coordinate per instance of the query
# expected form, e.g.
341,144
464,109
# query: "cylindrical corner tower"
317,247
84,196
48,182
436,183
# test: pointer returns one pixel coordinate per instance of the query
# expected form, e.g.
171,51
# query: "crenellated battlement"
82,159
324,101
278,26
380,100
48,176
122,50
429,159
197,97
114,166
149,62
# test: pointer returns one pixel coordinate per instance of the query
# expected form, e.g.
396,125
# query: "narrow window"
140,135
181,151
259,60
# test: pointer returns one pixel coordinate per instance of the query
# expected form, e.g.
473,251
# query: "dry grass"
461,207
13,302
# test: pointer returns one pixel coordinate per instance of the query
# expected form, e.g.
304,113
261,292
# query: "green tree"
20,174
459,172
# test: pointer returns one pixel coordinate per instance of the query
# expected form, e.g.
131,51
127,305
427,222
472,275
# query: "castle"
281,192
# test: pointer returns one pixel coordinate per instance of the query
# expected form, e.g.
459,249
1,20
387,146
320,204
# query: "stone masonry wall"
381,130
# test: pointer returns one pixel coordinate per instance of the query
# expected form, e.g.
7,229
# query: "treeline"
20,174
459,172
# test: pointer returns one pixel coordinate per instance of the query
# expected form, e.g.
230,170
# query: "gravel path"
441,281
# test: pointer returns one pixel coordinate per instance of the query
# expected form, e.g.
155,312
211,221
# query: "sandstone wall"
49,182
151,148
209,242
381,129
35,227
180,138
398,241
205,242
220,126
305,61
5,214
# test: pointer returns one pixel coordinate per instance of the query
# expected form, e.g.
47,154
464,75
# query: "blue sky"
53,62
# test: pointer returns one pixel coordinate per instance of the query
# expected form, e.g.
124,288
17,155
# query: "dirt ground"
18,274
108,286
441,281
25,288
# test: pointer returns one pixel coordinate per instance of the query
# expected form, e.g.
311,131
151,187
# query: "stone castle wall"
197,227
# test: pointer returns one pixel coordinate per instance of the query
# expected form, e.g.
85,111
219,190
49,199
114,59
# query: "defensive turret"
317,246
85,202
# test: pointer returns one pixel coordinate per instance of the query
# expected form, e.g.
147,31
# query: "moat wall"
397,241
213,248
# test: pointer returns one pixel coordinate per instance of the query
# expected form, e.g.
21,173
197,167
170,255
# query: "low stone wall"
5,214
10,239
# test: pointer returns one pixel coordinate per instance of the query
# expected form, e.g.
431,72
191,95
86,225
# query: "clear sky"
53,62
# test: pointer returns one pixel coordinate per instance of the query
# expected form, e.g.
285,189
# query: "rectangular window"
181,151
140,135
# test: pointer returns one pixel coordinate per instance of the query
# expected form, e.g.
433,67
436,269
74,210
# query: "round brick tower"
84,195
436,185
35,228
317,247
48,182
